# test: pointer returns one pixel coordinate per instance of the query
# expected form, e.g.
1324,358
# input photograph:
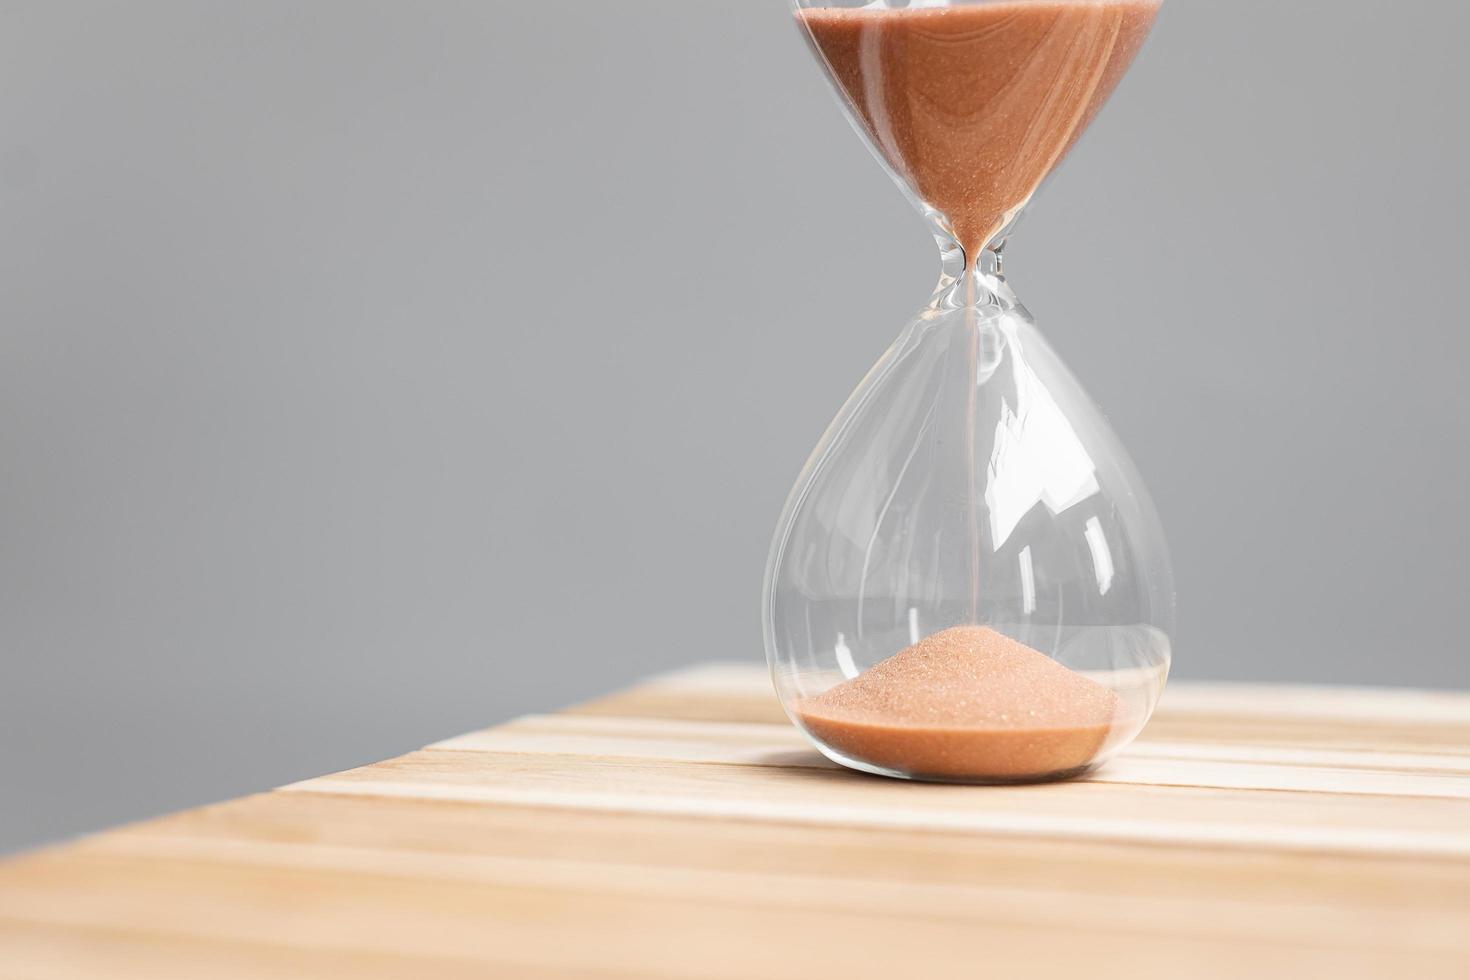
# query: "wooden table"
683,829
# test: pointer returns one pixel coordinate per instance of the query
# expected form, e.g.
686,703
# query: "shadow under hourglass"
814,765
796,759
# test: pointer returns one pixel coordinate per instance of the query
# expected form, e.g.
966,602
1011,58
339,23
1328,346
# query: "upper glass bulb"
969,581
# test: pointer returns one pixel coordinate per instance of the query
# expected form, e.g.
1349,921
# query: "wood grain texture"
682,828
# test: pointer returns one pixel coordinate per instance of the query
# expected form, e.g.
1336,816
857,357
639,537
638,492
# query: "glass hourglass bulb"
969,581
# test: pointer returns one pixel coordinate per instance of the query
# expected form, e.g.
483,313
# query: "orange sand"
966,703
975,104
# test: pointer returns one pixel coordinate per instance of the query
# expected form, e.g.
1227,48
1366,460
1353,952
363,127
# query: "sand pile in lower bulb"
967,703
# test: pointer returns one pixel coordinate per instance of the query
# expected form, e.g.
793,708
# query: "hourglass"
969,581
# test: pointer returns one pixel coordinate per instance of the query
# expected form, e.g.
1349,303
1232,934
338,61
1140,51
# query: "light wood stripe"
785,747
1222,917
396,915
1447,761
1175,816
1297,702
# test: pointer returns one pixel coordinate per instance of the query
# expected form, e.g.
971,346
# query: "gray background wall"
371,372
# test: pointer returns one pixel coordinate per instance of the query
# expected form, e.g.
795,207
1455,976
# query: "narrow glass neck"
965,282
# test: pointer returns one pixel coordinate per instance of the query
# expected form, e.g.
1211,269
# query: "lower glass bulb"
969,581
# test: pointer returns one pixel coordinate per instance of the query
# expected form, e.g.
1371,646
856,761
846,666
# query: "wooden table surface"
684,829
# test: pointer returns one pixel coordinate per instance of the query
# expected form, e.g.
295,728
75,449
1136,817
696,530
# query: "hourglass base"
966,779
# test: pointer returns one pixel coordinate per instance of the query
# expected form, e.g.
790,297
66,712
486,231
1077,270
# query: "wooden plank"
684,829
1166,815
466,829
1158,764
655,930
